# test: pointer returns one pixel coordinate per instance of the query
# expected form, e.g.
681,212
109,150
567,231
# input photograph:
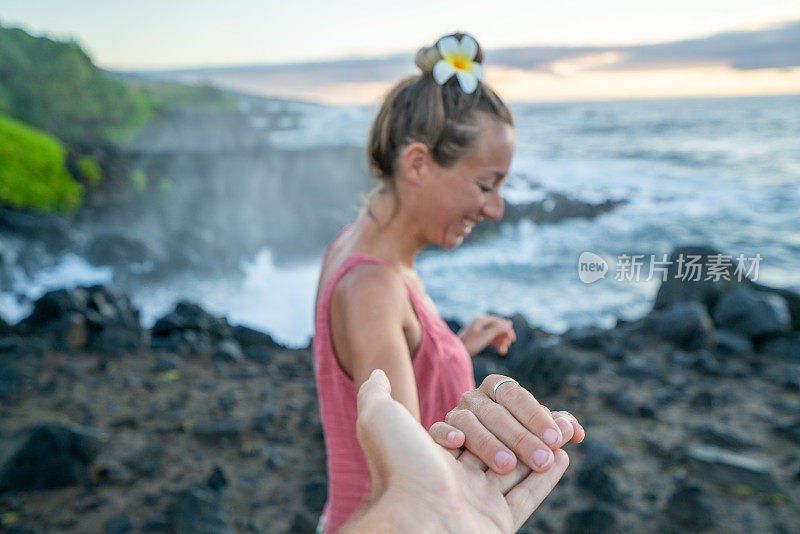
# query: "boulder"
47,456
543,370
597,482
684,287
198,511
588,338
190,316
783,347
97,317
686,324
752,314
731,343
730,469
249,338
691,508
553,208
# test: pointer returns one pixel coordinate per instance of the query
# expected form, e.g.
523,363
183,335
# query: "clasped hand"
454,491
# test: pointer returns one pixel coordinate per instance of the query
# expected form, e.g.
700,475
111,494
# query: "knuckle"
534,418
459,418
520,442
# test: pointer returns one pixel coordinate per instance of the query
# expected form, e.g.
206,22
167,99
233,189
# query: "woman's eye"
485,188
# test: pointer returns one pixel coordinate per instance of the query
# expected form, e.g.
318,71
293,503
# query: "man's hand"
417,485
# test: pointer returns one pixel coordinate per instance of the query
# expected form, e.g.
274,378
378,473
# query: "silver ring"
503,381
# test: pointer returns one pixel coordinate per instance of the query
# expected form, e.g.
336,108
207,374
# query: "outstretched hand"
411,473
487,330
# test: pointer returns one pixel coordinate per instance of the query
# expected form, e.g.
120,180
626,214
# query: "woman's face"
468,192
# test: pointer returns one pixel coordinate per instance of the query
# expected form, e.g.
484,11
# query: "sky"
180,34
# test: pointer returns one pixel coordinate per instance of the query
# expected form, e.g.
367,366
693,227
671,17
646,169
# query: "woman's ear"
414,161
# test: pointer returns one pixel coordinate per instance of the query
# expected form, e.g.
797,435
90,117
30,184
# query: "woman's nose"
493,209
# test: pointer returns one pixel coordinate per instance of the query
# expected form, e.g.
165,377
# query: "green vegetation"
9,519
54,86
89,170
164,186
138,181
32,171
165,97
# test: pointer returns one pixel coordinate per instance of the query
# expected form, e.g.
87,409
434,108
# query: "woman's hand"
488,330
417,486
512,426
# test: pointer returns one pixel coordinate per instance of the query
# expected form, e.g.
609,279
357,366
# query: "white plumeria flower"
458,58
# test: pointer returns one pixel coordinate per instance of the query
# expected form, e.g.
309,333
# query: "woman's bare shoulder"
370,286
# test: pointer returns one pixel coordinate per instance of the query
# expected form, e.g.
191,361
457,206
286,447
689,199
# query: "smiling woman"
440,146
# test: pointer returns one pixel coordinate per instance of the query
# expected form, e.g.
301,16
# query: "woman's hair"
443,117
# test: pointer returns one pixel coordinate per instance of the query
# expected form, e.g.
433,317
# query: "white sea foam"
70,272
279,300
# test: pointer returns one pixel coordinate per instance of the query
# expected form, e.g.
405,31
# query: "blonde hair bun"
426,58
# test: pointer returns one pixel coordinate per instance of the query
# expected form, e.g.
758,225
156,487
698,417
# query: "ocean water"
718,172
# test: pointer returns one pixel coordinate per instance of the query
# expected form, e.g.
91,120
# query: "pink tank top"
443,372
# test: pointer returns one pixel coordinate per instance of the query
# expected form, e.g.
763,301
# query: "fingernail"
502,458
542,457
550,437
451,437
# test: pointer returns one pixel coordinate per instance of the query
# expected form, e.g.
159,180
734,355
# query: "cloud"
775,47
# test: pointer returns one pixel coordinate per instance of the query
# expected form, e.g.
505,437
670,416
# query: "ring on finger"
499,383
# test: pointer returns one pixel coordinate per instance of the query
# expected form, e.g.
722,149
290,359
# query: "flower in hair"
458,58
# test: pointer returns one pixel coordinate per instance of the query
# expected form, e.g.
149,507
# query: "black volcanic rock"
10,382
731,343
592,520
752,314
96,317
691,508
686,324
47,456
315,491
596,480
692,287
730,469
249,338
790,431
784,347
554,208
198,511
190,316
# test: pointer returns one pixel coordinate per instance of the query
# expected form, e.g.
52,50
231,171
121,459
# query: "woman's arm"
368,309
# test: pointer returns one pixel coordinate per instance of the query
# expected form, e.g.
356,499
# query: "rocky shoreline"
196,425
